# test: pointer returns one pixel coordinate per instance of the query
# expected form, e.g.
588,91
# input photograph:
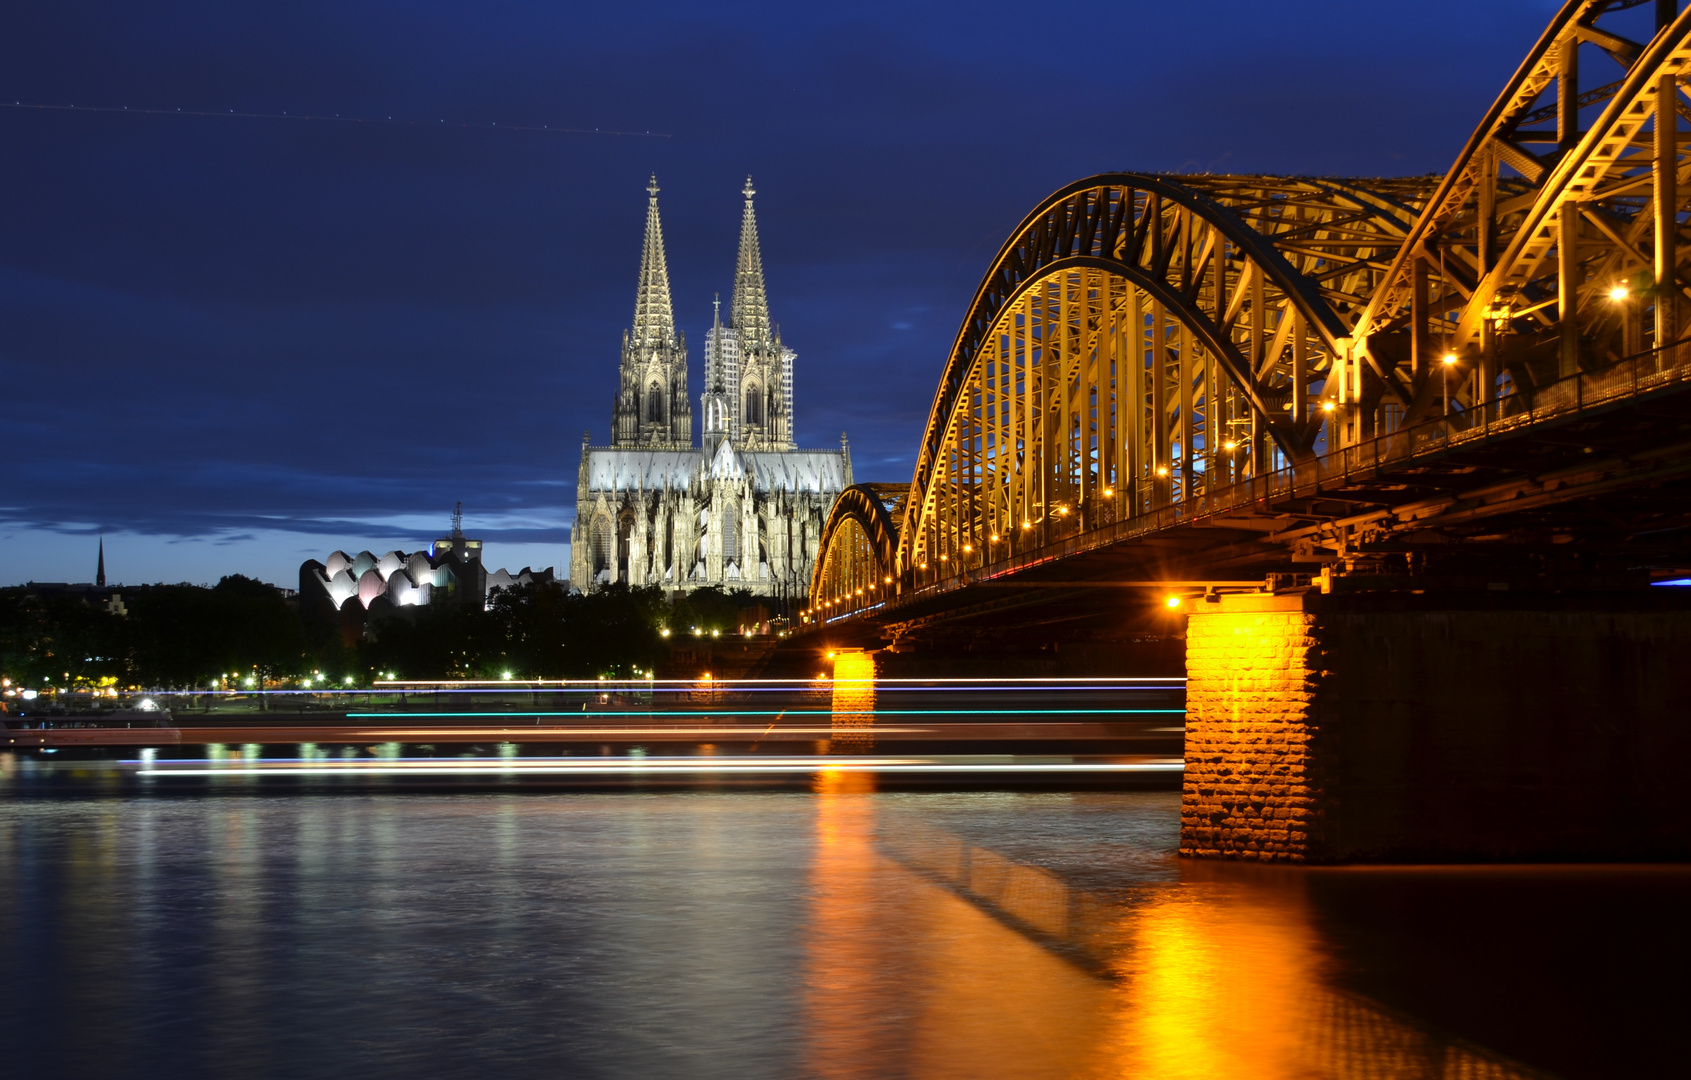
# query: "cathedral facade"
742,509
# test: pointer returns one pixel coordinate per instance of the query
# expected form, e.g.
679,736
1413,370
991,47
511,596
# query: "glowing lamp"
968,548
1618,293
1449,358
1172,602
1229,446
1327,406
1162,470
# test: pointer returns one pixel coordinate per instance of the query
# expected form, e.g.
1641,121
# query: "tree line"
187,636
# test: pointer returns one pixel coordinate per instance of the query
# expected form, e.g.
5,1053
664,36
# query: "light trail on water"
631,765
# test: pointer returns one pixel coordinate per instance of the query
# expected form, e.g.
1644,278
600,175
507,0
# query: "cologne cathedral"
745,507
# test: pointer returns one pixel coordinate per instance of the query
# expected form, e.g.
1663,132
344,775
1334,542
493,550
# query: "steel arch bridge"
1146,345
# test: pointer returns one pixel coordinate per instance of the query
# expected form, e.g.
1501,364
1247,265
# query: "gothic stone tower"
764,394
652,407
744,511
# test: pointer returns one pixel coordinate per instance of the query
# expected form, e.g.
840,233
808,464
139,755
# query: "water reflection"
1222,974
853,706
838,932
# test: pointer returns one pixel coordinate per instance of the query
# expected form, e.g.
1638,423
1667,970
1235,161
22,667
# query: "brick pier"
1398,727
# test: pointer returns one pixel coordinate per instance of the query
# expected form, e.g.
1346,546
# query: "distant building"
745,509
97,593
355,587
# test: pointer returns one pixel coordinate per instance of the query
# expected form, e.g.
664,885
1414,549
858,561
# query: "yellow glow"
1108,492
1229,445
1027,524
1172,602
968,548
1450,358
1618,293
889,579
1162,470
994,540
1327,406
664,632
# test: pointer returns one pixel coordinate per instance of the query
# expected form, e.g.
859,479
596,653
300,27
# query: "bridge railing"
1620,381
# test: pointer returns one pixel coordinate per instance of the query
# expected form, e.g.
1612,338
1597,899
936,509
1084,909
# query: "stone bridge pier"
1462,726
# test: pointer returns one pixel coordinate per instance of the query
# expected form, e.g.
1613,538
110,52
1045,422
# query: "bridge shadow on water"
1221,969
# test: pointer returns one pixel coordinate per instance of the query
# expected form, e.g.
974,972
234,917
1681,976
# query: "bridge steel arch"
1138,339
1143,340
859,546
1554,242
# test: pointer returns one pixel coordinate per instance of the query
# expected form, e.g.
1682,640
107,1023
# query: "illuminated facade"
743,510
450,571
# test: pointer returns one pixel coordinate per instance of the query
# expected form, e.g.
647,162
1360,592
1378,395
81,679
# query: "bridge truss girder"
859,546
1142,340
1137,339
1513,268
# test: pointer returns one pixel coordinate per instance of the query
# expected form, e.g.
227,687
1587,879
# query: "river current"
830,932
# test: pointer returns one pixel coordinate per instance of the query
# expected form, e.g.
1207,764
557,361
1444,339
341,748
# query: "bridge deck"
1493,492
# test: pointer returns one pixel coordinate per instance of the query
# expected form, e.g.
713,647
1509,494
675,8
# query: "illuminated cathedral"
742,509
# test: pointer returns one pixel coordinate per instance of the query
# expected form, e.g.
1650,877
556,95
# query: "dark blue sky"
231,344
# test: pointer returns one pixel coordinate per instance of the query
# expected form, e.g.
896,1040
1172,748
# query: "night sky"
229,344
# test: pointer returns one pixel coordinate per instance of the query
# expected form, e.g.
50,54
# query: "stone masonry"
1253,745
1456,726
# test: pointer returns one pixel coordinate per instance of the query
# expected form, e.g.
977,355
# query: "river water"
834,931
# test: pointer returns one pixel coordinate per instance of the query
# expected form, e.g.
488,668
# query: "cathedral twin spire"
654,316
748,312
748,373
652,407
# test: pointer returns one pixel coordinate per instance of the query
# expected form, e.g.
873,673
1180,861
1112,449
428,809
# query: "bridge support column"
1398,727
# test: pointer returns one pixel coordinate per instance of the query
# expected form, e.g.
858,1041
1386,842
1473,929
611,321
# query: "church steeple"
651,407
764,397
748,312
100,574
654,316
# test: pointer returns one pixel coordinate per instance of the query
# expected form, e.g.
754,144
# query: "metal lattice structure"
1143,341
860,546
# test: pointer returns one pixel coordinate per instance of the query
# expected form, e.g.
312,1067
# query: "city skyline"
233,342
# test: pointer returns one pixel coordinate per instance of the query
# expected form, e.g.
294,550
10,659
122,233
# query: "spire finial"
748,190
652,187
100,574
